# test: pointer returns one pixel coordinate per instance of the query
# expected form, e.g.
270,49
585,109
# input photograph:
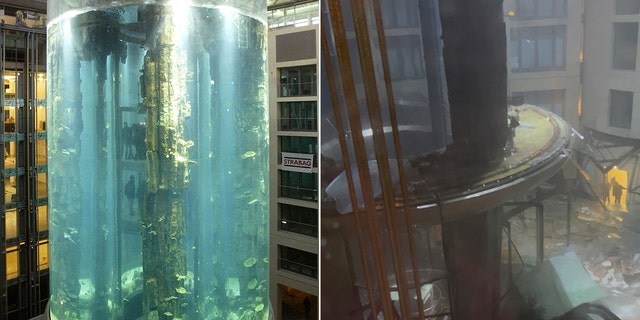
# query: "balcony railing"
299,193
298,124
299,268
299,227
299,15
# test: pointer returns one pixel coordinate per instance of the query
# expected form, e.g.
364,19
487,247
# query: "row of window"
540,9
12,196
298,261
544,48
299,185
299,144
397,16
620,104
298,116
11,219
537,48
298,220
627,7
298,81
17,257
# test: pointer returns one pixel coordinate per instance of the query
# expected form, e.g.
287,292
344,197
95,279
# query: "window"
540,9
298,261
299,116
299,220
41,150
294,144
11,194
13,262
298,81
405,57
299,185
398,16
625,43
550,100
43,255
11,224
627,6
41,186
537,48
40,90
621,109
42,219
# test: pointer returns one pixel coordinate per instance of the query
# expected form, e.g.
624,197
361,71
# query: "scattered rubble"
607,218
604,240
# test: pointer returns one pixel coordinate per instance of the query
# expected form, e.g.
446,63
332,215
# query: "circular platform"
541,147
454,186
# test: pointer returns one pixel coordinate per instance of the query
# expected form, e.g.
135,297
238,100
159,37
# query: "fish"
249,154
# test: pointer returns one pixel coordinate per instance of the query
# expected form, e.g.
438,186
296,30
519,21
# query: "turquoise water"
166,216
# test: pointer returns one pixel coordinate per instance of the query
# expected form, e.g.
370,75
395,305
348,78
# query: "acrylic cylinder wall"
158,160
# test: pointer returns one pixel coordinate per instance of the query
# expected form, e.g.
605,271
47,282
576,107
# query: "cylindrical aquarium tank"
158,159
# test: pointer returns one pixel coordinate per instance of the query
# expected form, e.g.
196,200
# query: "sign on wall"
298,162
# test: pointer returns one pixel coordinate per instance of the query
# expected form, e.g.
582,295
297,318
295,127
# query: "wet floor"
605,238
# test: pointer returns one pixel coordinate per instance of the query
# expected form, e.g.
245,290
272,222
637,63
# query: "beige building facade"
544,40
293,102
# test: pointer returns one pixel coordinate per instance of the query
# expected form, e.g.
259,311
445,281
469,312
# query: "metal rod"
634,173
3,238
449,257
540,233
568,219
358,11
346,161
398,151
507,226
31,195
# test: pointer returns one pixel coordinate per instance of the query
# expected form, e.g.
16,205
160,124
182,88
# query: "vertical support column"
540,234
568,218
3,262
31,196
473,258
475,61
